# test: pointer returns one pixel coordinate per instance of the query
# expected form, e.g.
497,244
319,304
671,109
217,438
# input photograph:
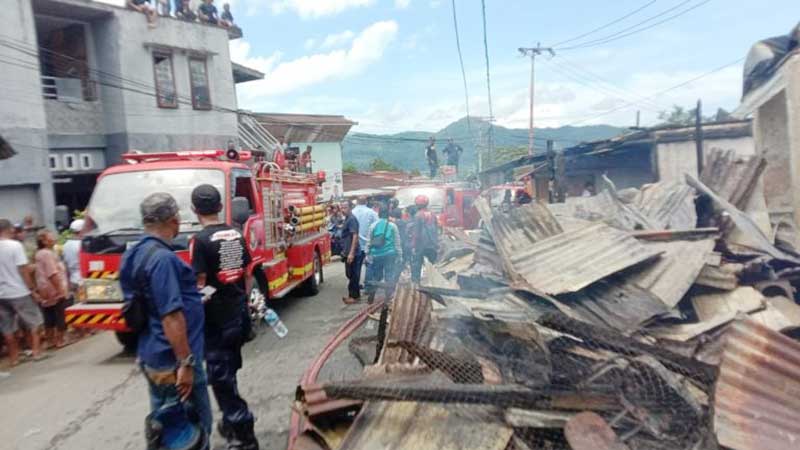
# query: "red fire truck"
275,208
451,202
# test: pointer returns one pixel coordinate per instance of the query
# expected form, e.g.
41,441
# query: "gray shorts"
23,309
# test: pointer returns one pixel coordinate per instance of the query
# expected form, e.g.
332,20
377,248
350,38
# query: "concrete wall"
327,156
25,186
150,128
677,158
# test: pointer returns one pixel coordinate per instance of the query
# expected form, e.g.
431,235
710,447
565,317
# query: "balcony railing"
69,89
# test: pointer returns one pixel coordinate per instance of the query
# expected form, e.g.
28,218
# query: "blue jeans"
383,268
164,395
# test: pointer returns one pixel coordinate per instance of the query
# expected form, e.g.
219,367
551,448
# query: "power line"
659,93
463,72
603,27
631,30
533,52
488,77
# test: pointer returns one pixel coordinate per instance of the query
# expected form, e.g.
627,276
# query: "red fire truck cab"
276,209
451,202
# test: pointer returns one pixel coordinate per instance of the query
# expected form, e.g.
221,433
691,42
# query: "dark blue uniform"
170,286
220,252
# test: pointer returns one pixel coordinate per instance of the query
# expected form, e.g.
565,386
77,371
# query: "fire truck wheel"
128,340
311,285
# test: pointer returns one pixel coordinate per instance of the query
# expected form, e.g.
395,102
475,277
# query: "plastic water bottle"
271,317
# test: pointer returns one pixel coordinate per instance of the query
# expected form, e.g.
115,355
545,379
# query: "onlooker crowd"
386,239
206,12
37,283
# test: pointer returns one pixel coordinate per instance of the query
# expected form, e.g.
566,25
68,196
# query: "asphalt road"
90,396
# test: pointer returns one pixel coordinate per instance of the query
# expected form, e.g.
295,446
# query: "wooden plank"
527,418
421,426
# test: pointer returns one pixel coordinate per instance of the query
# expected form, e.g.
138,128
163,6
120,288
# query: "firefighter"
220,258
424,237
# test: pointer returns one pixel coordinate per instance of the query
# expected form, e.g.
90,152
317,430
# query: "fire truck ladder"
253,136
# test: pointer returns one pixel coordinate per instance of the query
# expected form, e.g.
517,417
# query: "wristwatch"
187,362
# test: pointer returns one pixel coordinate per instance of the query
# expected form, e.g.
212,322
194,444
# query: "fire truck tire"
310,287
129,341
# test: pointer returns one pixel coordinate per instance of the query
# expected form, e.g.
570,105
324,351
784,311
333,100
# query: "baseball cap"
206,199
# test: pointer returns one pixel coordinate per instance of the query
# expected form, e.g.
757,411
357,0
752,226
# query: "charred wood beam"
608,339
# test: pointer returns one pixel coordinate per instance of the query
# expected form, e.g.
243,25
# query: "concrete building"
324,133
631,160
87,81
774,103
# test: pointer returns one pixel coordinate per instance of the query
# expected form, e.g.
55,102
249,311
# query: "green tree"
686,116
505,154
349,168
379,164
415,173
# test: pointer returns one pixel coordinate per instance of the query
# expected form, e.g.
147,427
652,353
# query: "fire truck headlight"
102,291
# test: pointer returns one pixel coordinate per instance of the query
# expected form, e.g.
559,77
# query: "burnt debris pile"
660,318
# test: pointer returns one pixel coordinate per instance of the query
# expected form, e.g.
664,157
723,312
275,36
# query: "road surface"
89,396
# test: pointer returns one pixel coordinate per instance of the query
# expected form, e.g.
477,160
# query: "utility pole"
533,52
698,136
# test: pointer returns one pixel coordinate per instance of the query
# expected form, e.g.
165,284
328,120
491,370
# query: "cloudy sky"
392,65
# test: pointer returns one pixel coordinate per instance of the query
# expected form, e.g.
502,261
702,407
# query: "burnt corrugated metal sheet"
615,304
523,226
410,316
732,177
570,261
669,205
603,207
757,395
670,278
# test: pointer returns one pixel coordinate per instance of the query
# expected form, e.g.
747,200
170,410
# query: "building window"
53,162
198,76
86,161
166,94
69,162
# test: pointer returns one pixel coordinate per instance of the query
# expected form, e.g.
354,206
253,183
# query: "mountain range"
406,150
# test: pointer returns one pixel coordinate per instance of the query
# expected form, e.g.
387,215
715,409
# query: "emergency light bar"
188,155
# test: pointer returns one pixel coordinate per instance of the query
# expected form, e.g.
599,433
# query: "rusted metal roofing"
410,316
603,207
669,205
570,261
757,394
732,178
670,278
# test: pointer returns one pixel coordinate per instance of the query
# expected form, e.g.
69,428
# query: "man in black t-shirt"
353,257
432,157
220,259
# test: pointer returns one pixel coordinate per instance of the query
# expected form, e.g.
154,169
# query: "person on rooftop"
185,12
227,17
208,12
147,8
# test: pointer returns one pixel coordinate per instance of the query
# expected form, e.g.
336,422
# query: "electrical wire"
488,78
603,27
659,93
625,32
463,72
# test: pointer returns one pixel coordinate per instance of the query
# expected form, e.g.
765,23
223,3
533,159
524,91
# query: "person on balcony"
185,12
147,8
208,12
227,17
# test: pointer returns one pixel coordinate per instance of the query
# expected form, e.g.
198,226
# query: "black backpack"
134,311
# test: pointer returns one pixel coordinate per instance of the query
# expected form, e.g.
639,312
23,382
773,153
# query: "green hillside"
406,150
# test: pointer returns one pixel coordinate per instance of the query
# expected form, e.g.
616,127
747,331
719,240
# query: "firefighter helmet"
421,200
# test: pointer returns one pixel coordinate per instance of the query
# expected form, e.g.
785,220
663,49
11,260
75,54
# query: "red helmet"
421,200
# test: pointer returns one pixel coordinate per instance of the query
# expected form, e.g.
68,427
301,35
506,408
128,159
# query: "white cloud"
337,39
284,77
401,4
436,3
312,9
310,43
